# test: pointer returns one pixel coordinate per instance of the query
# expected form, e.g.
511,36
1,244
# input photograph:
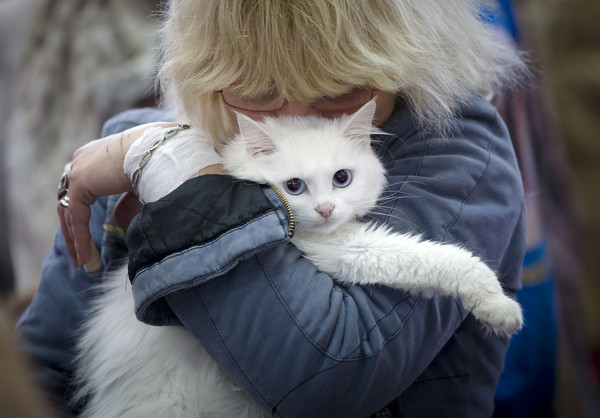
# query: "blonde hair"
434,54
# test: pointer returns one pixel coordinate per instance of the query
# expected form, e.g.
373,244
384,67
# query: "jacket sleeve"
214,255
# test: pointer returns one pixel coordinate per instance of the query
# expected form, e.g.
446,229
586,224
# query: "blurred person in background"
66,67
567,39
548,368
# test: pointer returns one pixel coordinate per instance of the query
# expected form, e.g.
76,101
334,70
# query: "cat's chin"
323,228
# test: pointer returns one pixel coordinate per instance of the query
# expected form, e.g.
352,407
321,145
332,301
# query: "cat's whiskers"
402,220
402,185
384,199
387,208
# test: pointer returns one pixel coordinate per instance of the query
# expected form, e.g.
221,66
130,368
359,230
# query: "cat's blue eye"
342,178
295,186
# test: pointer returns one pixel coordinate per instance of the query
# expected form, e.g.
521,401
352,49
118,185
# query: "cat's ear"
257,139
360,124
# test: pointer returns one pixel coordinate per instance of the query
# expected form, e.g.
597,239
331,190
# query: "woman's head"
432,53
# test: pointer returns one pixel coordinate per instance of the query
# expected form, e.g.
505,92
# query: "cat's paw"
499,314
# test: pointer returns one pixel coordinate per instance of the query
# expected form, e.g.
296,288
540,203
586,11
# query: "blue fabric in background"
503,16
526,387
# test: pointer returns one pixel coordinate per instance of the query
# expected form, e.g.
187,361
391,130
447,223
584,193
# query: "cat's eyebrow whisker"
379,142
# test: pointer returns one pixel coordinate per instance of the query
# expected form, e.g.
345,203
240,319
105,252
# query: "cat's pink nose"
325,209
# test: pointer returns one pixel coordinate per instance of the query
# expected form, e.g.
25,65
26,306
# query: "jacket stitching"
209,242
197,213
340,361
146,238
152,297
196,280
317,345
230,355
433,379
422,158
400,184
202,215
477,182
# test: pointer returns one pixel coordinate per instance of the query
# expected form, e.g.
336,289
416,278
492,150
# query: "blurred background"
66,66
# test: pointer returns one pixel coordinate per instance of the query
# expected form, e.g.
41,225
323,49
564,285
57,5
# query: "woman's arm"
214,255
95,170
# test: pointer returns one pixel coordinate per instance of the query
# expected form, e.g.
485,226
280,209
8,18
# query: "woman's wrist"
125,139
119,144
161,158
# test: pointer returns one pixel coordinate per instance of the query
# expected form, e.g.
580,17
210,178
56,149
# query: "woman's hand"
96,170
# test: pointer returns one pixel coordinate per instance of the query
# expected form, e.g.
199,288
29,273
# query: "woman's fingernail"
95,262
76,261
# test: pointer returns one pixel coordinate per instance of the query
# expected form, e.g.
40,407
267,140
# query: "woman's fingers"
95,262
74,223
78,222
96,170
75,229
67,233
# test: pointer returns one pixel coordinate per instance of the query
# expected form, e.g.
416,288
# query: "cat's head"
325,167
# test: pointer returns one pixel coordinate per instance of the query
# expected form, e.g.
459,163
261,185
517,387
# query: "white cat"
327,173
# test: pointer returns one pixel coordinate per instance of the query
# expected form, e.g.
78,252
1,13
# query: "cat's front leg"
367,254
374,254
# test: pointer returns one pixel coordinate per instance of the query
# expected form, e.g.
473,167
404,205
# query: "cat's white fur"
131,369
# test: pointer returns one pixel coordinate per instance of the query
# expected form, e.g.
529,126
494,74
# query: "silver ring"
64,202
63,187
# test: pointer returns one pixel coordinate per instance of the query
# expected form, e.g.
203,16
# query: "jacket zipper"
291,225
